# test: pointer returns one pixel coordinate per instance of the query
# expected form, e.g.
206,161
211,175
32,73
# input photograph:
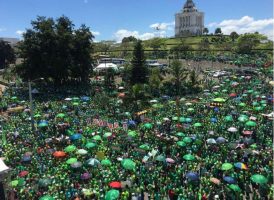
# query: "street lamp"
31,103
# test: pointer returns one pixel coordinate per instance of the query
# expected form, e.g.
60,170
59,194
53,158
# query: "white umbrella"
153,101
232,129
93,162
211,141
188,104
68,99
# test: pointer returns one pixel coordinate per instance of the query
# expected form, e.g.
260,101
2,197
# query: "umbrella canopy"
192,176
97,137
189,157
160,158
211,141
229,118
197,125
128,164
232,129
144,147
82,152
59,154
229,180
251,123
180,134
60,115
187,140
71,161
44,182
76,136
240,165
220,140
43,124
85,176
115,184
260,179
226,166
148,126
112,195
235,188
76,165
46,197
243,118
132,133
219,100
107,134
106,162
181,143
90,145
93,162
215,180
170,160
70,148
23,173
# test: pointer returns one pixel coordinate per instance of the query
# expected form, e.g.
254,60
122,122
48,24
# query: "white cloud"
19,32
163,26
246,24
95,33
120,34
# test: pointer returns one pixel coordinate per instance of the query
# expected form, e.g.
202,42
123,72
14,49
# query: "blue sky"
114,19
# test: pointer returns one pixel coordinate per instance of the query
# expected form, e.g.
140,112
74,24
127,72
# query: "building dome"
189,4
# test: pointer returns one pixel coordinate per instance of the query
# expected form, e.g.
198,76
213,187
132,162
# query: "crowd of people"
217,145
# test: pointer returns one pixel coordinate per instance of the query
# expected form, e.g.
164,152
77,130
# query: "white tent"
34,91
104,66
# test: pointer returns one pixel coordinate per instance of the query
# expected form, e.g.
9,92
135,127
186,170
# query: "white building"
189,21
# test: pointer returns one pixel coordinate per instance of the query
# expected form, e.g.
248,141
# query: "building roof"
189,4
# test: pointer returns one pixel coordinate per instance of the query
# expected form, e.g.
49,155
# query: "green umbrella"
42,124
260,179
97,137
75,104
255,104
148,126
235,188
243,118
112,195
189,157
197,125
258,108
90,145
244,95
250,91
132,133
70,148
61,115
128,164
160,158
107,134
219,100
106,162
14,98
229,118
44,182
14,183
71,161
175,118
263,102
182,119
187,140
144,147
75,99
242,104
227,166
190,109
180,134
181,143
46,197
250,124
37,115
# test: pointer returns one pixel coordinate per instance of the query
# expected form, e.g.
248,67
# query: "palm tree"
194,82
176,74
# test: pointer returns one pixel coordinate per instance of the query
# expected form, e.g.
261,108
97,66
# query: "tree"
249,41
234,35
181,50
55,50
155,81
176,75
139,72
129,39
7,55
218,31
205,31
156,44
109,78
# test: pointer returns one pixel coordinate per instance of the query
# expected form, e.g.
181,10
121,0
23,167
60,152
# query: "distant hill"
12,41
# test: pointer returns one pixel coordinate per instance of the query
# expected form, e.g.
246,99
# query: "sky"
115,19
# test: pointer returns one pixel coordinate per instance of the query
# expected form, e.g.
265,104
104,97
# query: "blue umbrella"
192,176
85,98
166,97
213,120
229,180
220,140
131,122
76,136
188,120
216,109
26,158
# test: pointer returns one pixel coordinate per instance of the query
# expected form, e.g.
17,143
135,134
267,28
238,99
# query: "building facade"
189,21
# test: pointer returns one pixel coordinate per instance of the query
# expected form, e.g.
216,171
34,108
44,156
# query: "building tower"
189,21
